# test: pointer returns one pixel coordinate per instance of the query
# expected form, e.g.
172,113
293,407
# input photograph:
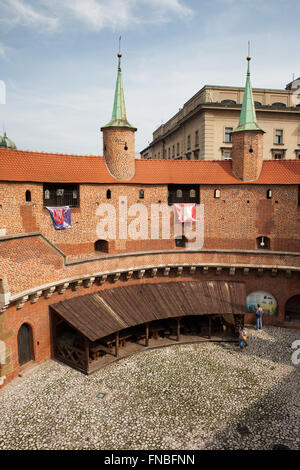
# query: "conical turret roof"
248,120
119,118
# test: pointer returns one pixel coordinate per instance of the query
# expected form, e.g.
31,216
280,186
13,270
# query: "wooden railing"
71,355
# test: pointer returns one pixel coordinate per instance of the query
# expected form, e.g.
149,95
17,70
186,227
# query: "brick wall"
235,220
38,317
247,154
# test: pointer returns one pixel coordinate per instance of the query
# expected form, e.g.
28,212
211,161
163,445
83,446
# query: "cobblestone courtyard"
199,396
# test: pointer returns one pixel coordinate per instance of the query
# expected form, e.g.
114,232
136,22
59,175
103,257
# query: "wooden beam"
178,329
147,335
86,345
117,345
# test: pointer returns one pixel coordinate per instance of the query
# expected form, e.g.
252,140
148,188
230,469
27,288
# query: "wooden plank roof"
100,314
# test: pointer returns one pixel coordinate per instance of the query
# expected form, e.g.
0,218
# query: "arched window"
108,194
278,105
141,194
28,195
217,194
192,193
25,344
179,193
101,245
263,243
228,102
257,104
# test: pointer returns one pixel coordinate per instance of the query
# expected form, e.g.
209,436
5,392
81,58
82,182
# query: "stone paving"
198,396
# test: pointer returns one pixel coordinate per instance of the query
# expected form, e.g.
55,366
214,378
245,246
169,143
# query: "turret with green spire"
247,139
118,137
247,120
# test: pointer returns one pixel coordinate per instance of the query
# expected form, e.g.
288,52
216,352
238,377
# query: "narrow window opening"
28,195
108,194
263,243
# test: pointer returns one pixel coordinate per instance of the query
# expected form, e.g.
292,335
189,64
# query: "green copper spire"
119,118
247,120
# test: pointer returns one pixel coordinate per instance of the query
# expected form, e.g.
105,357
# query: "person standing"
259,313
242,338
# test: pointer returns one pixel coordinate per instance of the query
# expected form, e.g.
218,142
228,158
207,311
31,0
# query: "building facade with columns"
70,292
202,128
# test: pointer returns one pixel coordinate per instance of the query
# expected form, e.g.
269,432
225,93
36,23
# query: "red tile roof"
18,165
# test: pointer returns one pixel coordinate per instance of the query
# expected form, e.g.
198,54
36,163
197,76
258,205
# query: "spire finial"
119,118
248,115
119,53
249,56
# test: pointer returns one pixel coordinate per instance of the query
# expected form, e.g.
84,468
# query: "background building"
201,130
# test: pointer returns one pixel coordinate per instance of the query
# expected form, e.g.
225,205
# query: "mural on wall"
267,302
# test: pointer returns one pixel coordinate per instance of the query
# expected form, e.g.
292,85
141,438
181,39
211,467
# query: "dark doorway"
25,345
292,311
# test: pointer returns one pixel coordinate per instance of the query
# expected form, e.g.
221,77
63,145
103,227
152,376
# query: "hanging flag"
186,212
61,217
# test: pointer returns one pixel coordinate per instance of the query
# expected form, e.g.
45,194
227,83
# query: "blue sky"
58,61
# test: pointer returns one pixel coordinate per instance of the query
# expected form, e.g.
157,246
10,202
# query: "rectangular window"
61,194
178,149
227,155
278,136
173,151
196,138
188,142
196,154
185,193
169,152
228,134
278,156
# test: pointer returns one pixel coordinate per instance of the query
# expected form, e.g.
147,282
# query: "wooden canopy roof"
100,314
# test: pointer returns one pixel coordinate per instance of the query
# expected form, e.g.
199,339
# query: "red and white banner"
186,212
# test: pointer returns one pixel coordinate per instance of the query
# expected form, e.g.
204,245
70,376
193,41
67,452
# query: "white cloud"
163,8
101,14
19,12
95,14
2,50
